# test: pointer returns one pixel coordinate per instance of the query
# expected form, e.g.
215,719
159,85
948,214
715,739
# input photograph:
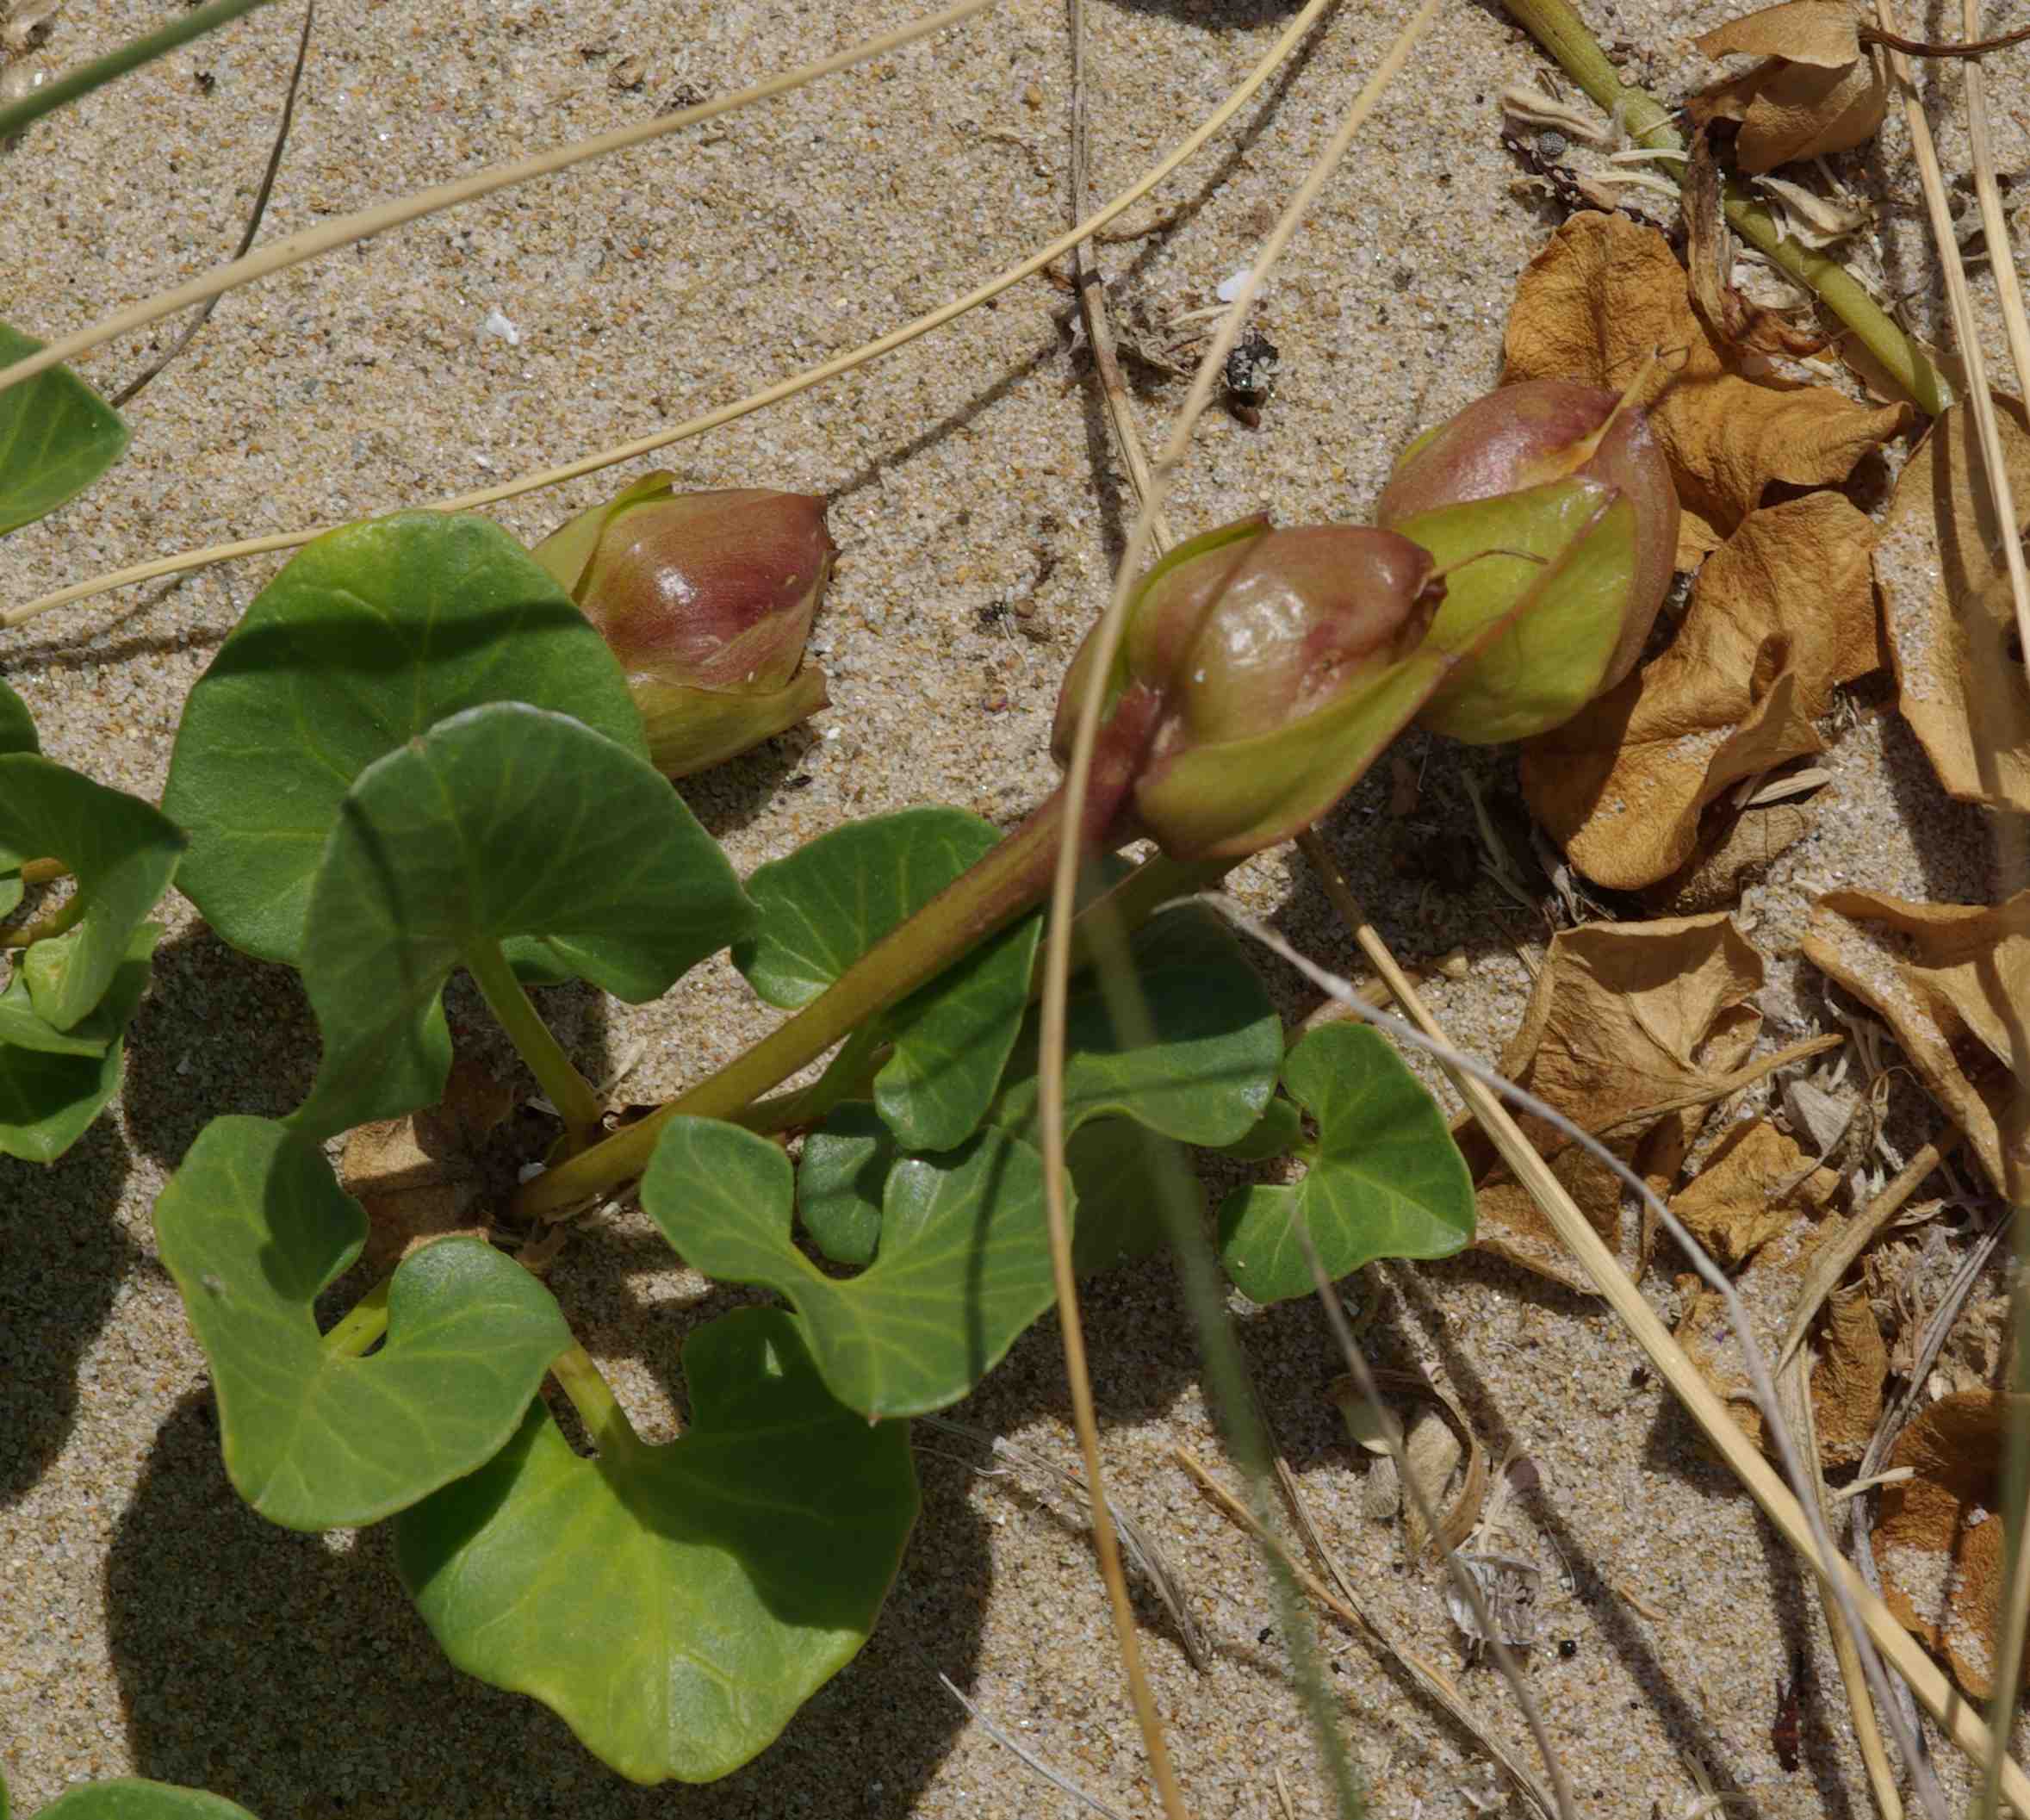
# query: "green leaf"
1385,1179
1278,1132
843,1176
128,1798
252,1228
17,728
371,635
501,821
54,1083
122,852
675,1605
1207,1076
57,437
831,901
964,1264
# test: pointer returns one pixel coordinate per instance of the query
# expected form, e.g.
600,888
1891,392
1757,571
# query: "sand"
151,1624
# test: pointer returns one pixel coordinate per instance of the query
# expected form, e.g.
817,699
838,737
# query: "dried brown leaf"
1779,617
1945,597
1623,1016
1602,296
1797,112
1732,318
1715,879
1753,1188
1847,1382
1939,1538
414,1176
1805,31
1952,981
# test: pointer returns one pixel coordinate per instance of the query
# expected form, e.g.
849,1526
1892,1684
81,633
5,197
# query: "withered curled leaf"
1756,1184
1939,1538
1945,598
1602,296
1624,1018
1952,981
1779,616
1818,90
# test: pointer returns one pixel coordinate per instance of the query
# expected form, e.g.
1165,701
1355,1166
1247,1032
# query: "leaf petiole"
576,1100
363,1323
592,1397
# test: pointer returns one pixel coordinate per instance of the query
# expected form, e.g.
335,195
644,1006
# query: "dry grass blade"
1939,212
1793,1385
1467,1583
1057,953
132,389
1143,1555
343,230
1427,1675
1057,1779
1480,1084
1187,149
1831,1263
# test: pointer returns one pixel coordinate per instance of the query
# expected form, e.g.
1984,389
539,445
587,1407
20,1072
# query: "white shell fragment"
499,326
1230,288
1509,1587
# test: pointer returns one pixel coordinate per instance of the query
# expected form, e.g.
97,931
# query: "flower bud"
1527,469
706,598
1261,671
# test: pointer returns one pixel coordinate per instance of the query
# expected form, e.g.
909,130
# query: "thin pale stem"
1057,951
64,916
576,1100
362,1324
343,230
1557,27
115,64
1186,150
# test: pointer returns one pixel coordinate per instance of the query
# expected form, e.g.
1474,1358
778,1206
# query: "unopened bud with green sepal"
1515,477
707,599
1259,673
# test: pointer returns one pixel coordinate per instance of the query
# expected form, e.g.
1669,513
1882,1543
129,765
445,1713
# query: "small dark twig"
253,225
1920,48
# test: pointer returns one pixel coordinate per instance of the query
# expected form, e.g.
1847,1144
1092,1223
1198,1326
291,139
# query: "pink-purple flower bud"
706,598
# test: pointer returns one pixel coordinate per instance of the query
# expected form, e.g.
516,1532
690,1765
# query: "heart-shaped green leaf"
57,437
501,821
831,901
1278,1132
371,635
54,1083
252,1228
675,1605
1208,1076
18,725
128,1798
964,1264
1385,1179
122,852
842,1180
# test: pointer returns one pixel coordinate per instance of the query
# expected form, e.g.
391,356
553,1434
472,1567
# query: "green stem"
592,1397
26,934
1561,31
115,64
1007,881
851,1069
361,1325
575,1097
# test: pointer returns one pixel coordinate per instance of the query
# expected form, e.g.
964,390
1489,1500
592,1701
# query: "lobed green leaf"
502,821
368,638
826,905
253,1228
54,1083
675,1605
129,1798
57,437
1384,1180
963,1268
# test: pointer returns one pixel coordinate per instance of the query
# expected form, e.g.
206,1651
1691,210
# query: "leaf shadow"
66,1256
